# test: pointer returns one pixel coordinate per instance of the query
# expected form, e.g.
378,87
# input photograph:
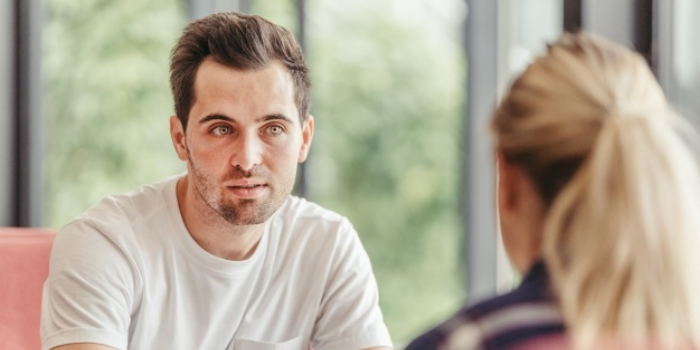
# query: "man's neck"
211,232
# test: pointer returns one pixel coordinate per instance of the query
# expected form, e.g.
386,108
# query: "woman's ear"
507,183
521,214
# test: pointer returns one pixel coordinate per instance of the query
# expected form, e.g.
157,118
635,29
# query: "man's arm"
83,346
350,317
89,291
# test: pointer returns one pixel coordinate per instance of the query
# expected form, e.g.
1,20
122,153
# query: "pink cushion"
24,266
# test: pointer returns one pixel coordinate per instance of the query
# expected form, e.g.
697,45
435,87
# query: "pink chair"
24,267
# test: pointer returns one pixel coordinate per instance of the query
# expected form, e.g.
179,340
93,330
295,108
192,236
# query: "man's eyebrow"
275,117
266,118
215,116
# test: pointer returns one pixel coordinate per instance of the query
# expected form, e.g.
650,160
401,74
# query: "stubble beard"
242,212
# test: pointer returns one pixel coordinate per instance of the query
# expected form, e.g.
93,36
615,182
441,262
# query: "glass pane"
107,99
389,90
282,12
389,99
534,24
686,59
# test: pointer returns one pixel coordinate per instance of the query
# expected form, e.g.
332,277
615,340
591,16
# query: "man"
222,257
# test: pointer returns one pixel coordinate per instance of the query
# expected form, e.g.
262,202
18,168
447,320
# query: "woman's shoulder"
527,313
502,322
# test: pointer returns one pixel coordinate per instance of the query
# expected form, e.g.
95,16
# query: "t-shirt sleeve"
350,318
89,294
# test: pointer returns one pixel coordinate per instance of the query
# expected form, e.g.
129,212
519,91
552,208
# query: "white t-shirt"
127,274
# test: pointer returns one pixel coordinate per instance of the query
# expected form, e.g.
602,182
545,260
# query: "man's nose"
248,152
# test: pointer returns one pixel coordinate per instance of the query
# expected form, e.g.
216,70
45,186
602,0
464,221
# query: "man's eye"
222,130
275,130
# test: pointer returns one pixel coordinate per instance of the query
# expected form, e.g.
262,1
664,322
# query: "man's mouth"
248,191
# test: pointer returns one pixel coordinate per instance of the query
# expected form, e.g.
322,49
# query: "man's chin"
246,216
245,211
245,222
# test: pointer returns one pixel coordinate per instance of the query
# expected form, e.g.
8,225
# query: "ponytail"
621,238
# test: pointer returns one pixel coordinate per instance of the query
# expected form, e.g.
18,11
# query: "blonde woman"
599,206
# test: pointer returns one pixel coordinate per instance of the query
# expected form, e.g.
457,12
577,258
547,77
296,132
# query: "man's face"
243,140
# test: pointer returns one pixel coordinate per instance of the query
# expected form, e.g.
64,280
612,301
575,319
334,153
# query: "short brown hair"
243,42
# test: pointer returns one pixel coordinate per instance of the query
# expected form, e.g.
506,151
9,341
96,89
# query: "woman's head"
589,128
549,121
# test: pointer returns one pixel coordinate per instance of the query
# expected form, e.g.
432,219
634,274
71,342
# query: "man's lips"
245,183
247,190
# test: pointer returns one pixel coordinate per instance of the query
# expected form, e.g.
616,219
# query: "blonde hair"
591,128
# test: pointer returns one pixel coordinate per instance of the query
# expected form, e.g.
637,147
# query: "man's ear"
307,135
177,134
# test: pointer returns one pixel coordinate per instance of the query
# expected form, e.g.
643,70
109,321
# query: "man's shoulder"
300,222
123,212
299,211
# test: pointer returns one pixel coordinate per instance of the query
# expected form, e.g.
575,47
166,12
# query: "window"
107,99
389,92
685,59
533,24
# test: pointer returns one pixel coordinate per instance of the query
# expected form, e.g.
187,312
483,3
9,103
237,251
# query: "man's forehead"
265,91
274,78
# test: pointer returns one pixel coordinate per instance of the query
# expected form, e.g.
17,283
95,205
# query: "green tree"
105,67
388,103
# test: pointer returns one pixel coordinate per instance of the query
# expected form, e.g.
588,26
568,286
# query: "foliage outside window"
389,88
107,99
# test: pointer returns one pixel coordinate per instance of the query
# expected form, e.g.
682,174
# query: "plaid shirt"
523,316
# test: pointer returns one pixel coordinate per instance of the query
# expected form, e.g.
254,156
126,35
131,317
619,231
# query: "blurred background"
402,91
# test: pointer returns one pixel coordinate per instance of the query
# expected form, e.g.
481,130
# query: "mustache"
238,173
